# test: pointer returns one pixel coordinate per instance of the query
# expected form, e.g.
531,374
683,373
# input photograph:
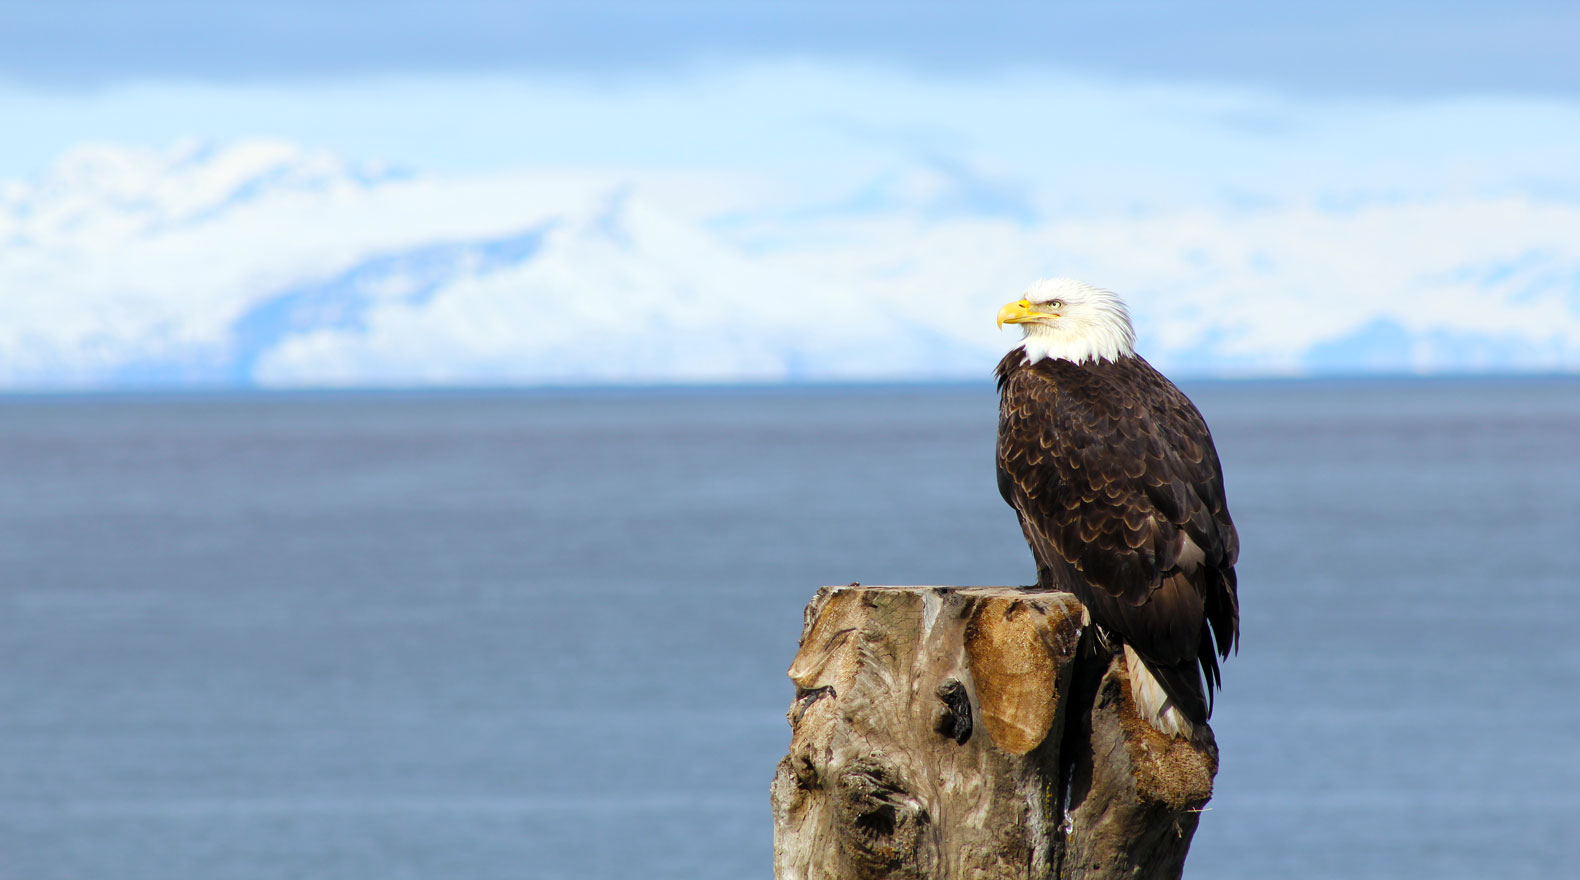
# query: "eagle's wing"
1118,487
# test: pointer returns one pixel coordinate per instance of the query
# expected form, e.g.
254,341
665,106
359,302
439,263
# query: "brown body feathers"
1113,474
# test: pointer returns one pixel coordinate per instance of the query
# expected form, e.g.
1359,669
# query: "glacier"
268,263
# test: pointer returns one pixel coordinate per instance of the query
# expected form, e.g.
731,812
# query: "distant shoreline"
1378,380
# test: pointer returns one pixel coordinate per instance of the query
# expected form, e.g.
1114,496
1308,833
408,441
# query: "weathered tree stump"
974,732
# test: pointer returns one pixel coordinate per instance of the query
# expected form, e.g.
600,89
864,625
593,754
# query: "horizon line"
462,389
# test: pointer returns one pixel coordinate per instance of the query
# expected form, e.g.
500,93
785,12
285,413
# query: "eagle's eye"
1056,304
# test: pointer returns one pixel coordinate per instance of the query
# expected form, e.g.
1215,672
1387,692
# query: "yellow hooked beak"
1021,312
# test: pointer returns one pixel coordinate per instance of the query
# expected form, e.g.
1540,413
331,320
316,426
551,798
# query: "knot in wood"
884,821
953,718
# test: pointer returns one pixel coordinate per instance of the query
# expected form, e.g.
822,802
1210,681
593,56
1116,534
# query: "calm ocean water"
544,635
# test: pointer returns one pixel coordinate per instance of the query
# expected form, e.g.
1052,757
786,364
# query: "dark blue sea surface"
544,634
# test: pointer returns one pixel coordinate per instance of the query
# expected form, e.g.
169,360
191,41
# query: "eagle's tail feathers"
1170,698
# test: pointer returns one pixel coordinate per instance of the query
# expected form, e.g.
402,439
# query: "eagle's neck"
1099,343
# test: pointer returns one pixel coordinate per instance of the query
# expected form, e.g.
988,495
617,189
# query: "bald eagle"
1113,474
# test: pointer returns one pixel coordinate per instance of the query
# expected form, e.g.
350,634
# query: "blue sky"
445,86
1343,46
174,170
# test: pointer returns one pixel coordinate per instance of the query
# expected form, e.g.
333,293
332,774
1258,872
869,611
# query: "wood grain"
952,732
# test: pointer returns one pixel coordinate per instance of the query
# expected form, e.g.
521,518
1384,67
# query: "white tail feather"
1152,701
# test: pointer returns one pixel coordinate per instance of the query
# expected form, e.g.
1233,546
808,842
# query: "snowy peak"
103,192
264,262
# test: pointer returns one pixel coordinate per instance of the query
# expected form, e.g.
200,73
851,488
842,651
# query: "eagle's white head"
1071,320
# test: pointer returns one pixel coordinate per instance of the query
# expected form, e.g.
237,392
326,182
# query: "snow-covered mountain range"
268,263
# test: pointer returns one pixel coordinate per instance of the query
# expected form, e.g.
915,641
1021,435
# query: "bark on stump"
974,732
